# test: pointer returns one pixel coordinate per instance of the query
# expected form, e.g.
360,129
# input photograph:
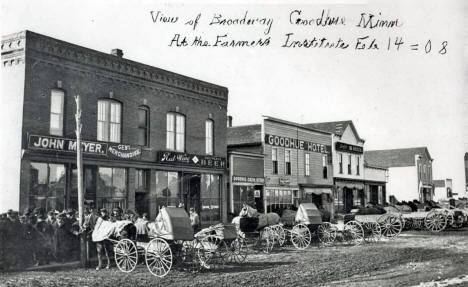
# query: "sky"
396,98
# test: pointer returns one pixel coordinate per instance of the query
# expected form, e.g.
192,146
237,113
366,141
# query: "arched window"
209,136
143,126
175,132
109,121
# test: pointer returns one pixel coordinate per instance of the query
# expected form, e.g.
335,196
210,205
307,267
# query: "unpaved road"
415,258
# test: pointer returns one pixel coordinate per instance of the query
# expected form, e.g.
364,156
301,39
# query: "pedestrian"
141,225
63,239
45,240
194,219
102,245
116,214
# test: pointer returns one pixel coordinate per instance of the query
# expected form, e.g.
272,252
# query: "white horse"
264,220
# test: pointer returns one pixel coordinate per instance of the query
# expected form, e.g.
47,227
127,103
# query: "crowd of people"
37,237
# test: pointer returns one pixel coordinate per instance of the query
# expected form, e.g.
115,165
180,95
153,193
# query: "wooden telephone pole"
79,166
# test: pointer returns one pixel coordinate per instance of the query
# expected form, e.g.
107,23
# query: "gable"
349,136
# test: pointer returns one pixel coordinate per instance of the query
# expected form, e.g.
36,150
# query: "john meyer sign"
349,148
177,158
65,145
296,143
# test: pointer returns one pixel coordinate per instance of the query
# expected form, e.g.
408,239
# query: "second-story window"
274,160
307,164
56,113
358,165
175,137
325,166
424,171
143,126
287,161
349,163
209,137
109,120
341,162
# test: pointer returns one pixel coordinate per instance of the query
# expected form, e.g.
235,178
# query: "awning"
317,191
350,185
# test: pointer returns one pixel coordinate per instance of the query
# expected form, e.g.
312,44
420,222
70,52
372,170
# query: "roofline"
248,154
352,126
249,144
419,147
273,119
375,166
222,89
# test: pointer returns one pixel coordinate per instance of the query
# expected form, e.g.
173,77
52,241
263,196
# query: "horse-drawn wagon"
171,244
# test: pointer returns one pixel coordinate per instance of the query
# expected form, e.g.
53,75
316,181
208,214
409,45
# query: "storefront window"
141,180
47,188
167,189
112,187
278,199
210,205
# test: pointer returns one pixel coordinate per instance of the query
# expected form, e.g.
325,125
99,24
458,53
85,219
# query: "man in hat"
102,245
62,238
116,214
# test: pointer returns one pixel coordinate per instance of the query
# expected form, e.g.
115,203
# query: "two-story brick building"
348,164
409,173
296,164
151,137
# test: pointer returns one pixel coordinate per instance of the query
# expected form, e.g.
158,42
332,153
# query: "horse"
105,232
264,220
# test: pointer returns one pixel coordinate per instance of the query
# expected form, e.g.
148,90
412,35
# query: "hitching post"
79,166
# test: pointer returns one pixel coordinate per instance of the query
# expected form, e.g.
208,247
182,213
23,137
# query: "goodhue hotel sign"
296,143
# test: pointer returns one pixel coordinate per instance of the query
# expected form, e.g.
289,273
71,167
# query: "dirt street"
415,258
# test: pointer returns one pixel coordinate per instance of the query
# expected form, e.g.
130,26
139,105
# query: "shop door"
348,199
191,192
89,187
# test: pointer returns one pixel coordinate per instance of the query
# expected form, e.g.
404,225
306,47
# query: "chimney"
117,52
229,121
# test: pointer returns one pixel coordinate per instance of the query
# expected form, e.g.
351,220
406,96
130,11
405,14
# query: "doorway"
348,199
89,186
191,191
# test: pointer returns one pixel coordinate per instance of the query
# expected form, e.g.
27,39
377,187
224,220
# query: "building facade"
297,164
409,173
375,181
443,189
151,138
348,164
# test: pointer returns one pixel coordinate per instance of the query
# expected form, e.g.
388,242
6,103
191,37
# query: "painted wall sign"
248,179
284,181
177,158
296,143
339,146
65,145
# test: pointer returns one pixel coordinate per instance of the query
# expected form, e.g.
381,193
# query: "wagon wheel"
435,221
301,236
390,225
280,235
126,255
326,233
372,231
237,251
187,256
353,233
267,239
158,257
212,251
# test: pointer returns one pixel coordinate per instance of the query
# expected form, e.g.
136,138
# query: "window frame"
340,156
146,128
108,121
325,166
350,163
358,165
274,160
287,162
175,132
59,131
307,164
209,141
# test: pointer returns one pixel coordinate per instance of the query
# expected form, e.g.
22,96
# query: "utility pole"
79,166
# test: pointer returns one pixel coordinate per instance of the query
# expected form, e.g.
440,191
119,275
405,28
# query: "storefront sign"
58,144
124,151
248,179
296,143
349,148
177,158
257,193
284,181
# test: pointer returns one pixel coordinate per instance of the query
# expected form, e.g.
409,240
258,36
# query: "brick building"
410,172
151,137
348,164
287,164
